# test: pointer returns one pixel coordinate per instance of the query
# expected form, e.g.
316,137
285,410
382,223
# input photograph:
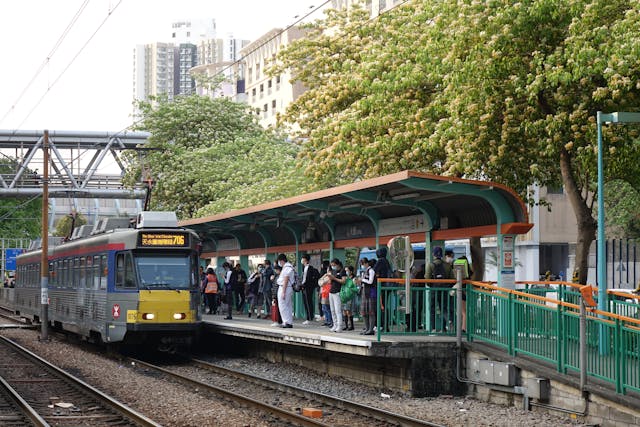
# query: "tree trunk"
584,219
477,258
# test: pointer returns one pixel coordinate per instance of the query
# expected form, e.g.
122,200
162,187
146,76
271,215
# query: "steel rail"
282,414
110,402
379,414
28,410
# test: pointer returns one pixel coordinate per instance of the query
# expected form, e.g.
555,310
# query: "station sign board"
10,256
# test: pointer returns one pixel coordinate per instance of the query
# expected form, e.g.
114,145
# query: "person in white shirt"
285,291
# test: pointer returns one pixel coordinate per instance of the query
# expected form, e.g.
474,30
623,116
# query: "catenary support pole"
44,263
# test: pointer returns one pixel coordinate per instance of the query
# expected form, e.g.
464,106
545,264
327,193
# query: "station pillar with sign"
506,277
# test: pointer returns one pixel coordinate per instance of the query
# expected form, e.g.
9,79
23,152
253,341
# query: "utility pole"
44,262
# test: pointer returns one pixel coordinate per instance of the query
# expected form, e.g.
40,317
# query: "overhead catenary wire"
44,63
68,65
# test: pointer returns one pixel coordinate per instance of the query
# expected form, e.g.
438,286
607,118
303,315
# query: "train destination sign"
163,239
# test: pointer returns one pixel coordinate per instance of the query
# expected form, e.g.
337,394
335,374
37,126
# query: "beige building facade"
269,95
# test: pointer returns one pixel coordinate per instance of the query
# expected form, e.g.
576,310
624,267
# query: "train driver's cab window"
124,271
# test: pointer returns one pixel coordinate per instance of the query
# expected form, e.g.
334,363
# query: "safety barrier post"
459,306
583,345
378,311
619,354
559,340
511,324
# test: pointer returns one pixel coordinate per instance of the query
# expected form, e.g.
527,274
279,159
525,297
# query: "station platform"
316,335
416,364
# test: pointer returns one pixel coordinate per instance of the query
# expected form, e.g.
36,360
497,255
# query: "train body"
135,286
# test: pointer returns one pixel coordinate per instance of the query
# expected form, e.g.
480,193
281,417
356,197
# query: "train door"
123,299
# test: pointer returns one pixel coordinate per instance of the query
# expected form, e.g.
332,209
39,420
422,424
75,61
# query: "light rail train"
120,282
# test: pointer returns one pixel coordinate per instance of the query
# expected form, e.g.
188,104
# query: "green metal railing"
433,308
542,320
525,322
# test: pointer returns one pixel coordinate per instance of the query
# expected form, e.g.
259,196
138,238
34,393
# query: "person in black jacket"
383,270
229,282
239,289
267,284
309,279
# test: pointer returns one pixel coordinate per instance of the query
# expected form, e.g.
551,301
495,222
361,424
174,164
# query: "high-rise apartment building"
169,68
269,95
219,59
154,70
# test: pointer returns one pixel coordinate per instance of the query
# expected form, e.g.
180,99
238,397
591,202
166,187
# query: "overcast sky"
95,92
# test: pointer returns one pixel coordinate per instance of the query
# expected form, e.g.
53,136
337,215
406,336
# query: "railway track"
282,401
51,396
14,321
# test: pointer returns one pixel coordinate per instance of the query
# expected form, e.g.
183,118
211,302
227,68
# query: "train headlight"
148,316
179,316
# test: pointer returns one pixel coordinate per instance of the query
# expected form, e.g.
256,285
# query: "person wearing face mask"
267,284
229,279
439,300
337,277
285,282
310,278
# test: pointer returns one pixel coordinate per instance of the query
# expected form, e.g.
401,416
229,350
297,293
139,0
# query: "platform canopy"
365,214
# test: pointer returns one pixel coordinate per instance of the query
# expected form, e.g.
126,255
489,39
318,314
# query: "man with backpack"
439,299
310,276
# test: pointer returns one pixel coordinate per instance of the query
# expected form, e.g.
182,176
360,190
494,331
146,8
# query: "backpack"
348,291
438,271
297,282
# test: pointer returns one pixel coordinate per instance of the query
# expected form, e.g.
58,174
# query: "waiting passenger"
337,276
275,310
239,289
211,292
369,296
254,291
285,291
228,286
348,302
325,286
267,285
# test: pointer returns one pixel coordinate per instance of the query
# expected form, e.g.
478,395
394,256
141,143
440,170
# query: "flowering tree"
209,155
502,91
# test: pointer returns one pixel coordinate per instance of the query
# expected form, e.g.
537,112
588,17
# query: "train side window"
124,271
104,272
82,274
95,274
76,273
52,274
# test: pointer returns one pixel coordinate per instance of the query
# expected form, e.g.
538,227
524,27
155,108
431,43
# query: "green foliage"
497,90
210,156
19,217
63,227
622,210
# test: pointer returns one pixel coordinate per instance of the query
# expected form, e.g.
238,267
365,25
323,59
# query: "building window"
277,80
269,84
253,91
257,71
273,104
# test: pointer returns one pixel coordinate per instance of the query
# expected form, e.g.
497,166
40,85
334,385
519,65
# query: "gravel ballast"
172,404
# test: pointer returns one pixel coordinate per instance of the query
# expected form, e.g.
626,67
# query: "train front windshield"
165,271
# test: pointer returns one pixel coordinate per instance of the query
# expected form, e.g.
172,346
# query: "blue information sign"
10,258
